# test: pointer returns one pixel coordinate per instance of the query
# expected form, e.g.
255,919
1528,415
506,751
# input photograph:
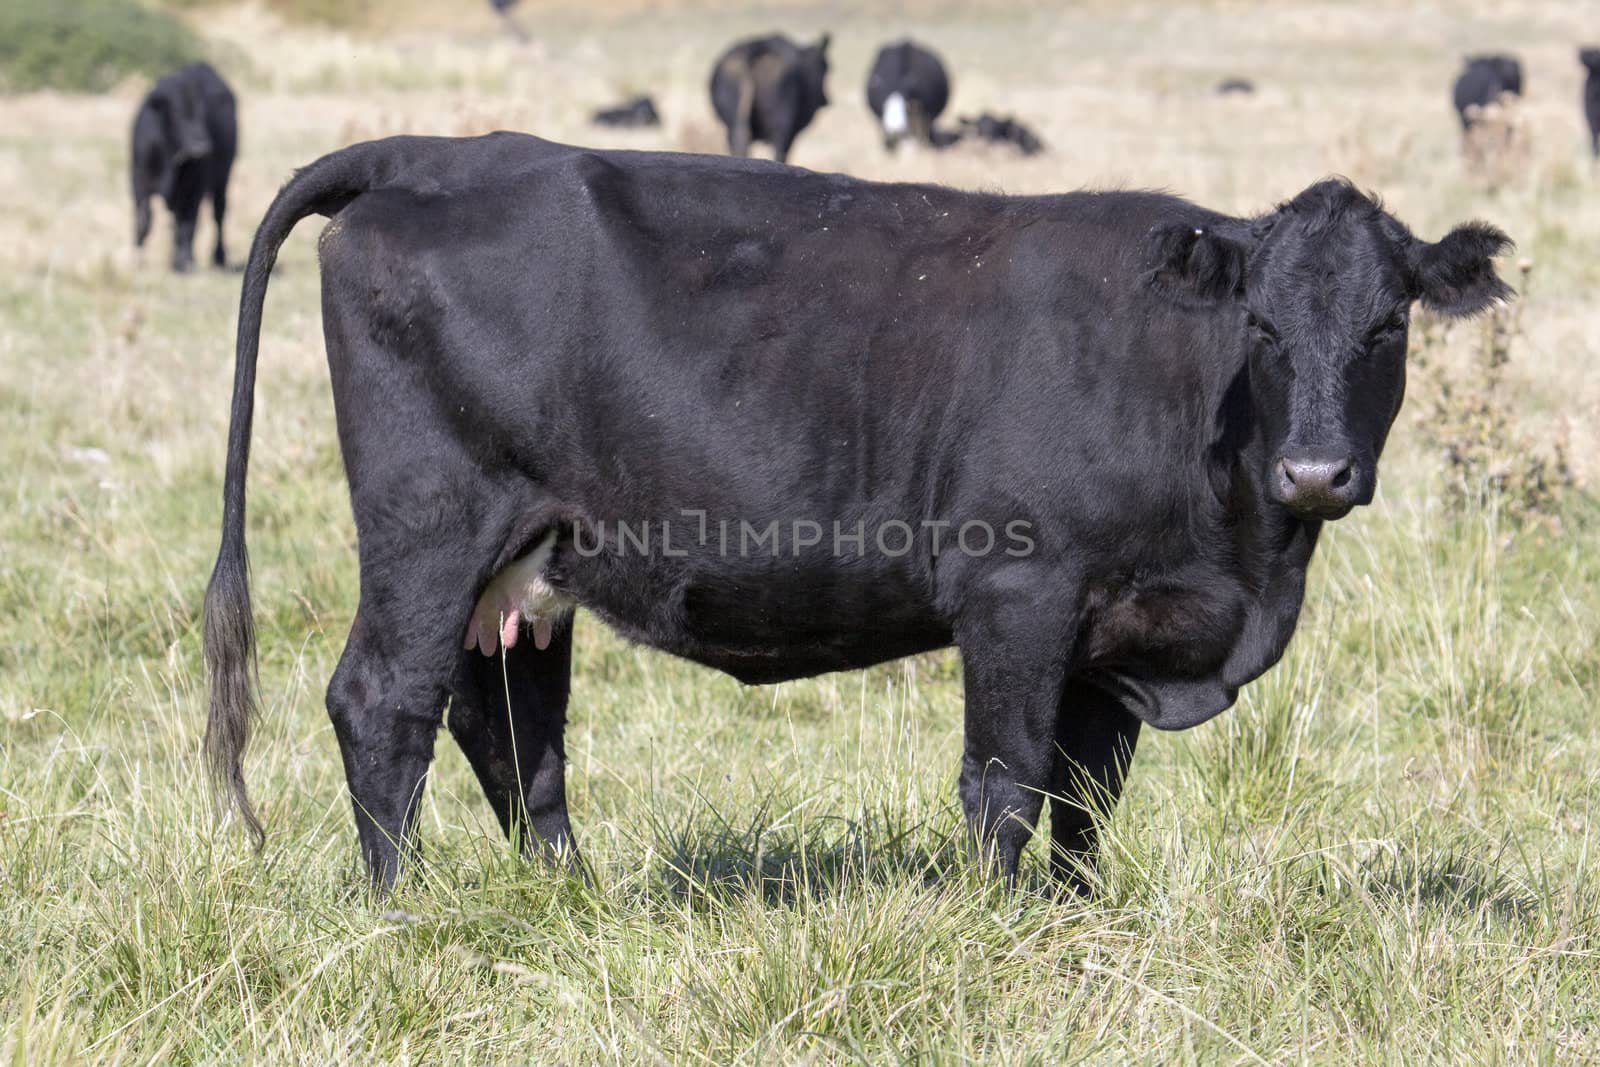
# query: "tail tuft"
230,656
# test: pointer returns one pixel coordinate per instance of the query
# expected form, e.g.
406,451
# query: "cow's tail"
744,111
324,187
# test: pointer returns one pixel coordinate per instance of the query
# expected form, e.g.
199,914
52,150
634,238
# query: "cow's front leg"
1014,653
1095,739
185,215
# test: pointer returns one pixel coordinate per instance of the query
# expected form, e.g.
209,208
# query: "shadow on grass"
1449,881
713,860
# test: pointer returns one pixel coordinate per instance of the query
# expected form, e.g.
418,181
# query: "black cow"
636,113
907,90
1590,57
999,129
1482,81
184,137
769,89
1230,86
782,423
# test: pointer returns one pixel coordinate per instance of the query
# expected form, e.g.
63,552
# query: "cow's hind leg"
429,531
141,211
508,714
385,713
387,697
219,208
1095,739
782,143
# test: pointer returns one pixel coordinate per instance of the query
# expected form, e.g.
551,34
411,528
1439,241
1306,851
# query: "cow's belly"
761,622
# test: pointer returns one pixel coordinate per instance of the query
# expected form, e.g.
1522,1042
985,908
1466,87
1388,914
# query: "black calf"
184,137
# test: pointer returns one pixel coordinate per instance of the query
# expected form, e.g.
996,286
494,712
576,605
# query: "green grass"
1384,854
87,45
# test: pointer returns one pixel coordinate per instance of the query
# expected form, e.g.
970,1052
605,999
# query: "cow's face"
1324,287
183,122
814,61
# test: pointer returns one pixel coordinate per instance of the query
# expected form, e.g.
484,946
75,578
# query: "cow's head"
814,62
1590,57
1510,72
1325,285
177,104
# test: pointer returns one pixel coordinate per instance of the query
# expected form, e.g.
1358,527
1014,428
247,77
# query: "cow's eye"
1260,326
1391,326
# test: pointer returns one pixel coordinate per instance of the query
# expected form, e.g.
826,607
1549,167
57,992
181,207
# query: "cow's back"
730,300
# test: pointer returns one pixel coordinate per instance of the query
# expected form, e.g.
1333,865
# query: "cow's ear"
822,44
1455,276
1197,262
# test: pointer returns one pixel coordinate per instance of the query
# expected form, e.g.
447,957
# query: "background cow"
769,89
1169,402
1482,81
1590,57
637,113
184,137
1001,129
907,89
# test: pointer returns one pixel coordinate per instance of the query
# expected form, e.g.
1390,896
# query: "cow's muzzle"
1318,487
196,149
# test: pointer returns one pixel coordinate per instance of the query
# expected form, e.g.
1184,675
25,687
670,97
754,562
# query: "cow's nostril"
1317,486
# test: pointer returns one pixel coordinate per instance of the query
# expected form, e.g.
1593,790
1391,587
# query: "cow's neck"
1273,547
1269,553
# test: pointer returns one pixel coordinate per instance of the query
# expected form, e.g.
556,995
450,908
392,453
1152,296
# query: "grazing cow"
1241,86
769,89
184,137
782,423
907,89
1482,81
635,114
1002,130
1590,57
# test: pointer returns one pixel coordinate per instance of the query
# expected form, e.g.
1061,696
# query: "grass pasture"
1386,853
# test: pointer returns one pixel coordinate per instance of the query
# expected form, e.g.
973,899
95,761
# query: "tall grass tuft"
1471,417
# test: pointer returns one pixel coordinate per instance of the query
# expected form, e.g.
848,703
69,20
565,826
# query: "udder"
519,594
